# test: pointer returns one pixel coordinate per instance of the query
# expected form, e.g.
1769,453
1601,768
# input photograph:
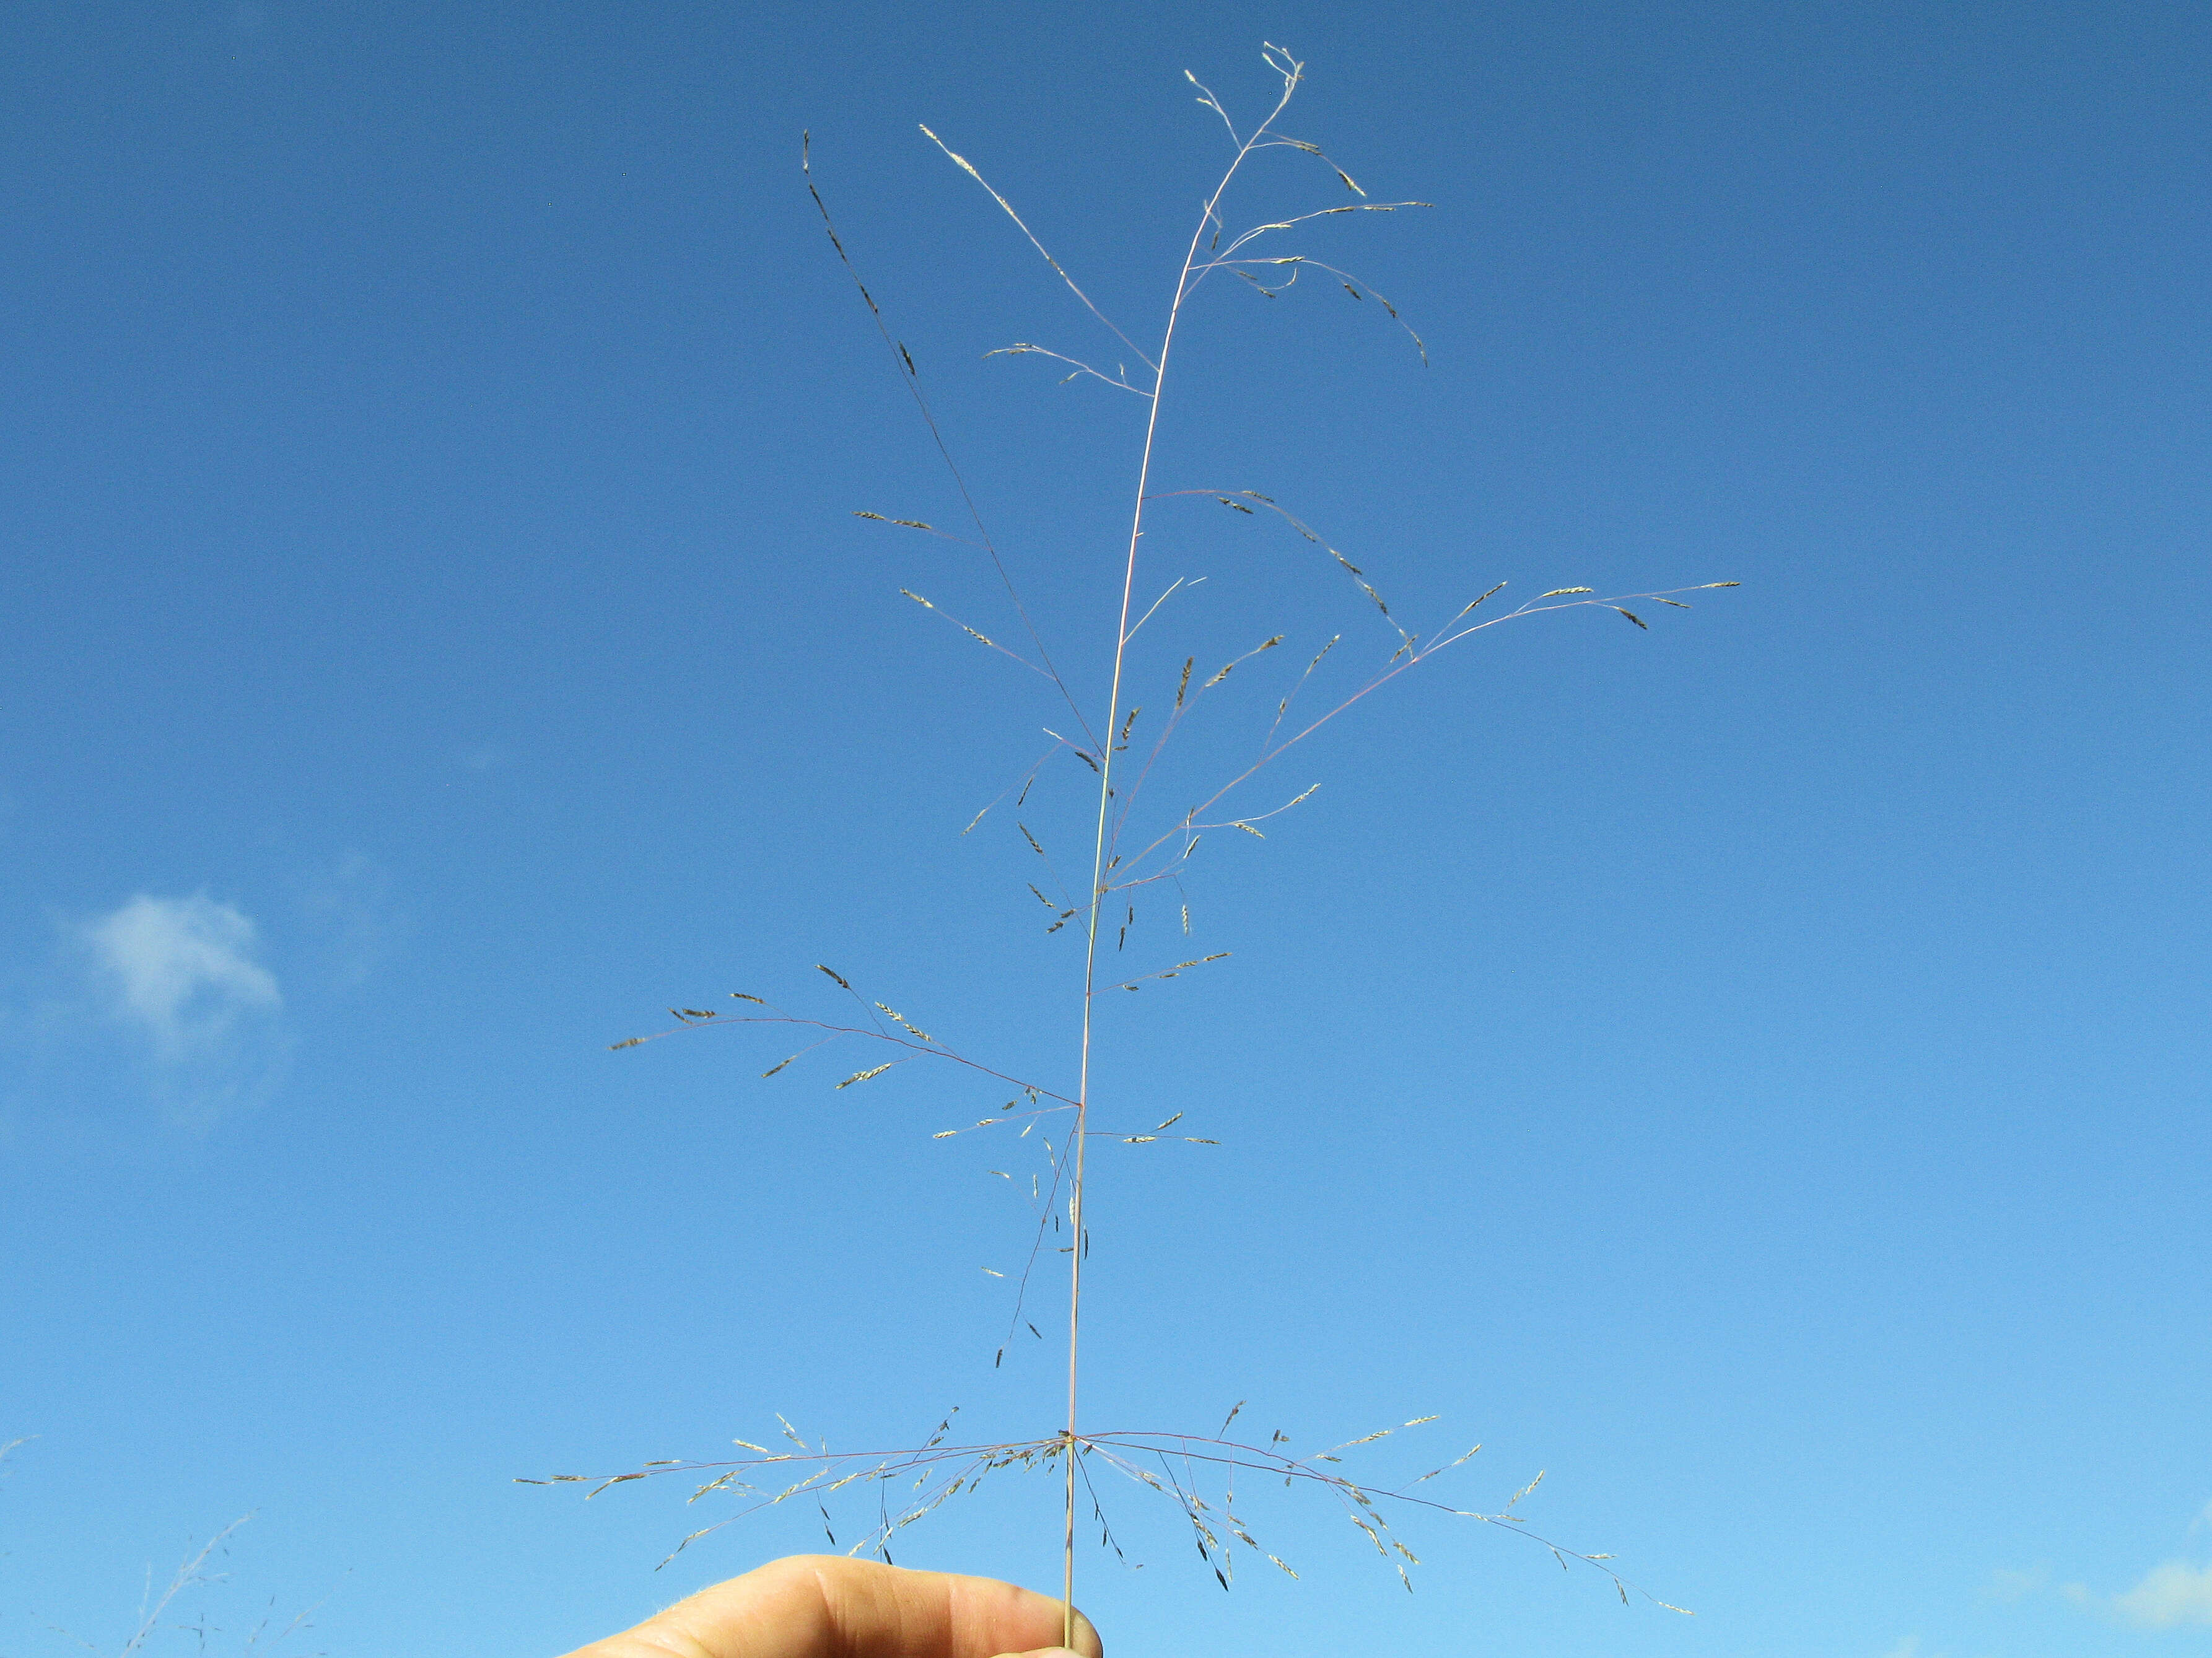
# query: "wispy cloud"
1909,1648
2173,1595
183,973
346,905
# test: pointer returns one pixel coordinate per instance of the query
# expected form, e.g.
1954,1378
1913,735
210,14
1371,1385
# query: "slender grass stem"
1101,848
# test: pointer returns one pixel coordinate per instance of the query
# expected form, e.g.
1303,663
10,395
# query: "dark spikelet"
1472,605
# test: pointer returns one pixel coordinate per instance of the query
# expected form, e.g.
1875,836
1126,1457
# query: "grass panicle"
1132,846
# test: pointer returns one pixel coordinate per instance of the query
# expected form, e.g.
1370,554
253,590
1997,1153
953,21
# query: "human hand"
826,1605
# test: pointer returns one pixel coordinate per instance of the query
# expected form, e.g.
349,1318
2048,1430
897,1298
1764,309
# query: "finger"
830,1606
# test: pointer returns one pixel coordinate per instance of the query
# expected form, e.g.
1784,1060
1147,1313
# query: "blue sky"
1753,1070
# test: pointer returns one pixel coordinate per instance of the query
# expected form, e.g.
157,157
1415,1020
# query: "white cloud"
2168,1597
182,969
2173,1594
183,972
1909,1648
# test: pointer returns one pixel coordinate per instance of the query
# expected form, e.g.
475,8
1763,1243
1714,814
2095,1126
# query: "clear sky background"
1753,1070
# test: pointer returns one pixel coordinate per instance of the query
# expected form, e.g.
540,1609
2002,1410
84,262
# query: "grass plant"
1134,849
163,1611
